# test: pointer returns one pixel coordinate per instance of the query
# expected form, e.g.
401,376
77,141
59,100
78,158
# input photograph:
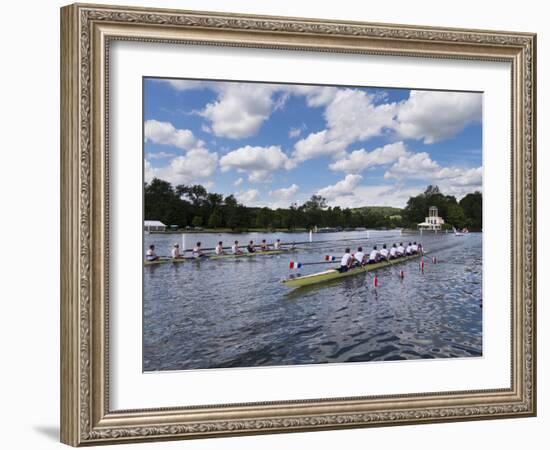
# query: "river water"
236,313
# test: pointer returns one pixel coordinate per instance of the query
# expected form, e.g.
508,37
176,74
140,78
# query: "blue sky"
275,144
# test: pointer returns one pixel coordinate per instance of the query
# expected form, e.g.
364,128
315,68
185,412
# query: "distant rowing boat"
459,233
214,257
333,274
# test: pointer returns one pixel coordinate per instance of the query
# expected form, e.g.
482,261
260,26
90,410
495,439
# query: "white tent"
153,225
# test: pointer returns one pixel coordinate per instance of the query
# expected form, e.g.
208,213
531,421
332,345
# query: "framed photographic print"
276,224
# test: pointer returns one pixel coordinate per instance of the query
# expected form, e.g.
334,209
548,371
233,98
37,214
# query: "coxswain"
347,261
250,247
151,255
219,249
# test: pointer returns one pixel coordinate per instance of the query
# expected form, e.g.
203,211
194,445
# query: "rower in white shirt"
197,251
374,256
219,248
359,257
277,245
151,255
176,254
347,261
400,249
393,251
235,248
415,248
408,250
384,252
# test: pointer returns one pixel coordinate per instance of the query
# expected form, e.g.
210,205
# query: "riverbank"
230,231
265,231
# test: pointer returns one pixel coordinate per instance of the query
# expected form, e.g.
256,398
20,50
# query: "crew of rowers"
198,252
360,258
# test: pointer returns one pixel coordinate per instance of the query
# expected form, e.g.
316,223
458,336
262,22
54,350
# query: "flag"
295,265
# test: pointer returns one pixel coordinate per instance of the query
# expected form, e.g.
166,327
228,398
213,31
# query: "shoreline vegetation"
192,209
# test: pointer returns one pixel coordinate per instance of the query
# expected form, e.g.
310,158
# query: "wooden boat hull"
333,274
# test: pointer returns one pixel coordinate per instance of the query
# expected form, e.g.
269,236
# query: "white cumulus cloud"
196,165
166,134
258,162
435,115
360,160
240,109
285,193
457,181
159,155
296,131
185,85
283,197
341,188
249,197
351,115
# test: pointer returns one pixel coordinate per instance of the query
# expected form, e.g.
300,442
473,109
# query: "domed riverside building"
433,222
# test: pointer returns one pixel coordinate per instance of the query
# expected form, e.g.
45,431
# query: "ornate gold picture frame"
87,31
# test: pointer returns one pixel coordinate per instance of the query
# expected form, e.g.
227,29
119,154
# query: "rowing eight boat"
213,257
333,274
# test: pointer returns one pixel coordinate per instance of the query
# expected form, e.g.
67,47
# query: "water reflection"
236,313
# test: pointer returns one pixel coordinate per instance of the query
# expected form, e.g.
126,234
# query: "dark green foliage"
194,206
472,204
466,213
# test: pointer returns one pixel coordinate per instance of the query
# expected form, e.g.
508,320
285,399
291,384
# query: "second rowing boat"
214,257
333,274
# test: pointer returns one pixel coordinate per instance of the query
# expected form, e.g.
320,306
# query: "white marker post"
183,244
310,236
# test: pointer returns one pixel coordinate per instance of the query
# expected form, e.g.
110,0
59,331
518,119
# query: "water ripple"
235,313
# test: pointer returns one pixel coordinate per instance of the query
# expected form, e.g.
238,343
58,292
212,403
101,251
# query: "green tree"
162,203
264,218
197,194
456,216
215,219
197,221
313,211
472,204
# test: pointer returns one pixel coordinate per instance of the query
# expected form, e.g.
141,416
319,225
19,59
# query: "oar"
373,277
395,270
314,263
